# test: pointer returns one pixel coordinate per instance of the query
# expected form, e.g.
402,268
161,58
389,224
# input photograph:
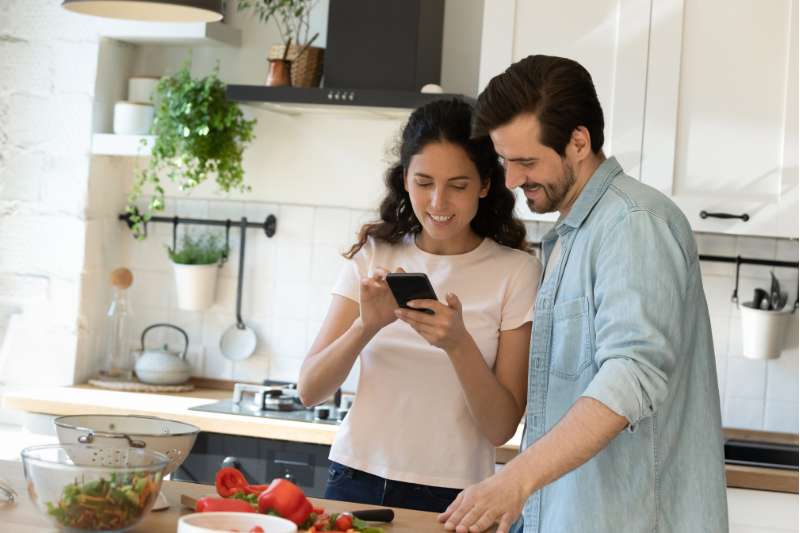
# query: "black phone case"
406,286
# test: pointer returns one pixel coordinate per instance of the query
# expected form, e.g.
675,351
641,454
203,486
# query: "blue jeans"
351,485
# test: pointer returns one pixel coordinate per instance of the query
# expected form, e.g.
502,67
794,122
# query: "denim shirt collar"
589,196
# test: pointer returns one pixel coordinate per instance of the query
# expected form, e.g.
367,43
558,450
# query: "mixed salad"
281,498
105,504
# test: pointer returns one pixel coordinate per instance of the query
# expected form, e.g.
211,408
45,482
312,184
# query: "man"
623,428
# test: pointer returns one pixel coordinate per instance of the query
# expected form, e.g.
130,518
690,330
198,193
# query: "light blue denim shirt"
623,318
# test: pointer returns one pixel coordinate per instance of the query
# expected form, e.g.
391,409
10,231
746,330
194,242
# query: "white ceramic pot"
132,119
764,332
196,285
141,89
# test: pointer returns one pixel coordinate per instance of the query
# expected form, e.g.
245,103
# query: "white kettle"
163,367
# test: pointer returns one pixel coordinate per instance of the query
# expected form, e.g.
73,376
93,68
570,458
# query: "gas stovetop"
273,400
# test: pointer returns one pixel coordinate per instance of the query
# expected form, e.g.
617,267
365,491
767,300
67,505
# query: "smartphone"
407,286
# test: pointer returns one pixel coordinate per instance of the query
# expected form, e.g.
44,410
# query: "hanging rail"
269,225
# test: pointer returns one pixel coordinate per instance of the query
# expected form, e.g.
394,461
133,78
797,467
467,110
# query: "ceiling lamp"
150,10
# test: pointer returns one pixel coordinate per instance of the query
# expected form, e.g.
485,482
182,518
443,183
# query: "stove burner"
263,397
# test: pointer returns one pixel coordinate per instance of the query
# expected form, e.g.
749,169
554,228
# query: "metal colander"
107,436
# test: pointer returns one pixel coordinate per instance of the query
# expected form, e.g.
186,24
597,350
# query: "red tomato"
209,504
229,481
344,522
256,529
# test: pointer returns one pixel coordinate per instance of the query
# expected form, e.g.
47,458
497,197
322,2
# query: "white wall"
47,77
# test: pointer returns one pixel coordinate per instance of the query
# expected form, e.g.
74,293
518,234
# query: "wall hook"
735,295
174,234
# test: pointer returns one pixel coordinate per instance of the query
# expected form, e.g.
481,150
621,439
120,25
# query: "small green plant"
290,16
199,134
206,249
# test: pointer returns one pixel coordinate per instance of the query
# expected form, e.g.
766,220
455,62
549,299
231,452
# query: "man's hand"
496,500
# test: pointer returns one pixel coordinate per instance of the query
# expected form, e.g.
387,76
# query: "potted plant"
292,20
199,134
196,264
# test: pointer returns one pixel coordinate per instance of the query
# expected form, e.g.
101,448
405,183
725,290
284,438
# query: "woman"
437,393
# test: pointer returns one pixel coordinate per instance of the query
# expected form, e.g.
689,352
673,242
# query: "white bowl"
225,522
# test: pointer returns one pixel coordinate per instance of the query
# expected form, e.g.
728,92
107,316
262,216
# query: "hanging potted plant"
196,264
199,134
292,20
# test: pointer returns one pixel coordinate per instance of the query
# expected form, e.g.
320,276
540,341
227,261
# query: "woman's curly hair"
445,121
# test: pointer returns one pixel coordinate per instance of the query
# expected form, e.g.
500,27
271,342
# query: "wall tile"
743,413
720,325
781,416
715,244
215,364
290,339
326,263
293,262
319,302
254,369
291,300
285,368
295,223
746,378
786,250
332,226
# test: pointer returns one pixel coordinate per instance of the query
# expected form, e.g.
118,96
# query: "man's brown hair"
558,91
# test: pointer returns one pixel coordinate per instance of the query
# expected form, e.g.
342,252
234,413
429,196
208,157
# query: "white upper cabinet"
699,96
721,118
608,37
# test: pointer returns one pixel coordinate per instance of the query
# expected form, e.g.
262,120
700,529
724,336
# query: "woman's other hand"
444,329
377,302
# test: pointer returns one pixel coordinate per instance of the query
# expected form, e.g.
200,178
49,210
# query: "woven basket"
306,69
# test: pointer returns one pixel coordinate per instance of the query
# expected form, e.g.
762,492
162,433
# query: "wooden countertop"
23,517
86,399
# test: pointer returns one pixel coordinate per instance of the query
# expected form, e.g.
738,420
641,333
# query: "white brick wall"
47,76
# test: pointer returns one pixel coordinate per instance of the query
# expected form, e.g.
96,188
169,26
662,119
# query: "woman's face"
444,187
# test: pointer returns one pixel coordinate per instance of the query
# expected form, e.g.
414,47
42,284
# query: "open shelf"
122,145
214,33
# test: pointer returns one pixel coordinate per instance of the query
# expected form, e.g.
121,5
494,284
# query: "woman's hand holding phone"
377,302
444,329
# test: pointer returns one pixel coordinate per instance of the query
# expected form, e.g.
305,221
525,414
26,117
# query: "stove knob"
323,413
343,413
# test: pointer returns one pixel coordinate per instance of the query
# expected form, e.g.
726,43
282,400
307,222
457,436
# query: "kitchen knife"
368,515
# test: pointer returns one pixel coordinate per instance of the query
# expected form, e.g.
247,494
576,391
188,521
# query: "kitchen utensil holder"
269,225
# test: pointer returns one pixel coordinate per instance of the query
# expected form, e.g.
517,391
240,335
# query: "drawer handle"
705,214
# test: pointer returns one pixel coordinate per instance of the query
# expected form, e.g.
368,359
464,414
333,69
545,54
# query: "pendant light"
149,10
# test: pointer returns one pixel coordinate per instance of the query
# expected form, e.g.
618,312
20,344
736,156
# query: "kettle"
163,367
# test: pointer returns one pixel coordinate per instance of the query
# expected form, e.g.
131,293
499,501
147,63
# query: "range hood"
297,100
379,54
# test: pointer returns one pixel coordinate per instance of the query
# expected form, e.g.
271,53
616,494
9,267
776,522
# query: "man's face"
544,176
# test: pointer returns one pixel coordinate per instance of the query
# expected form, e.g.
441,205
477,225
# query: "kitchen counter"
23,517
86,399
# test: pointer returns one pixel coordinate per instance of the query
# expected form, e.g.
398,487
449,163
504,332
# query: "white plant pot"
196,285
764,332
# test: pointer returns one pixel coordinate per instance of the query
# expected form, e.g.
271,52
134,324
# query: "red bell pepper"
287,500
229,481
210,504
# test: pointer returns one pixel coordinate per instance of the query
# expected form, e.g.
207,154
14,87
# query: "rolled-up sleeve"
640,288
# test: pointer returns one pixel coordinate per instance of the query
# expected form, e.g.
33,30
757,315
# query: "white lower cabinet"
759,511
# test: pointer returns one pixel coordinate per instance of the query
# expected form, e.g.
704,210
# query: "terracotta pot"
306,68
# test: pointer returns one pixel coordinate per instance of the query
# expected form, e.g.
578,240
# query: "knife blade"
368,515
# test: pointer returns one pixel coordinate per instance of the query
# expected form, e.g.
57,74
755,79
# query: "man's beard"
554,193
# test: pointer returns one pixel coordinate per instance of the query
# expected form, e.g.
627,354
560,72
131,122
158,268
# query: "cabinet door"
608,37
720,130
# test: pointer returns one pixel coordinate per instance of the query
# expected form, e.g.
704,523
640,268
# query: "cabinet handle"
705,214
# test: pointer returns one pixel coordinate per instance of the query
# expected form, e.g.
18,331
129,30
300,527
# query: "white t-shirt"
410,421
